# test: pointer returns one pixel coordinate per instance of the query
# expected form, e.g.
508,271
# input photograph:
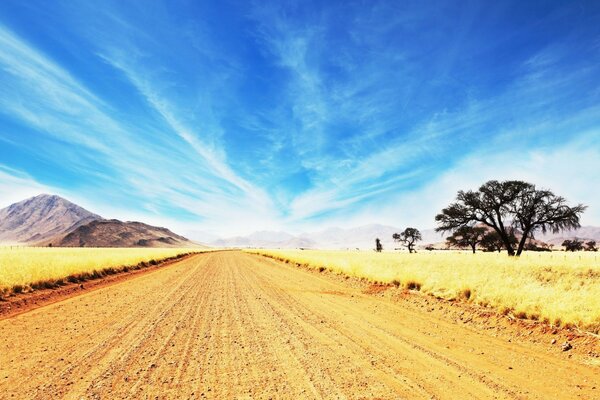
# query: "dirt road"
232,325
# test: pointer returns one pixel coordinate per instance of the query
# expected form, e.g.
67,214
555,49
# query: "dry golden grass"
560,288
24,268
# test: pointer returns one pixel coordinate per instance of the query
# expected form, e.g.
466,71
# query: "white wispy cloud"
16,185
516,117
211,155
44,96
353,117
568,171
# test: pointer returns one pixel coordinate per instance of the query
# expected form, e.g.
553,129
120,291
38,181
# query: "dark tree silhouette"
467,236
533,246
491,241
541,210
591,246
573,245
509,205
378,245
409,237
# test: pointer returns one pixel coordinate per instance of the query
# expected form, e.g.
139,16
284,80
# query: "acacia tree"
541,210
491,241
378,245
591,246
467,236
409,237
509,205
573,245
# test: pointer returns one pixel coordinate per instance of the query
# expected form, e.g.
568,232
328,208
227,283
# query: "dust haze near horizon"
237,117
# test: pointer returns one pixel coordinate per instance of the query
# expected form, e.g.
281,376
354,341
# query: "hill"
40,218
115,233
584,233
362,237
50,219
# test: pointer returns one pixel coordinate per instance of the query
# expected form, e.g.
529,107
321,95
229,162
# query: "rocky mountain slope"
51,220
115,233
40,218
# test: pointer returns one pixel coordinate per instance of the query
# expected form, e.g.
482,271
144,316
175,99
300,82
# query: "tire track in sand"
230,325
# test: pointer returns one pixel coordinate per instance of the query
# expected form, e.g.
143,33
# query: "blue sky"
231,117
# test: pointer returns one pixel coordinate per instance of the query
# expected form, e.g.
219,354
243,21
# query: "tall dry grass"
560,288
26,268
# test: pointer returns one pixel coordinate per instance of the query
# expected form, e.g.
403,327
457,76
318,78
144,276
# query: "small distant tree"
378,245
573,245
507,205
533,246
409,237
466,236
591,246
491,241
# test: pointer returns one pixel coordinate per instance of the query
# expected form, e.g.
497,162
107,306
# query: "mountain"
362,237
584,233
40,218
115,233
49,219
257,239
430,236
200,236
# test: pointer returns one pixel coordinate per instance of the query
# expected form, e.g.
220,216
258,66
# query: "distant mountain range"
584,233
51,220
363,237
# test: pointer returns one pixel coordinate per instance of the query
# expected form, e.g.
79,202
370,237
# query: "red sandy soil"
227,325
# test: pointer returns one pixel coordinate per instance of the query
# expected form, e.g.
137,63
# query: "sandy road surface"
232,325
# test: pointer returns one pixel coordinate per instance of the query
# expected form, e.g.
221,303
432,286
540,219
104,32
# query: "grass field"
26,268
560,288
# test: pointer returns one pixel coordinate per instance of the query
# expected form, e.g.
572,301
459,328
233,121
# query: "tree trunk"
409,245
503,235
522,242
506,240
473,247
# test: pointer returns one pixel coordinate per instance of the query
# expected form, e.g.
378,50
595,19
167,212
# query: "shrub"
413,285
466,294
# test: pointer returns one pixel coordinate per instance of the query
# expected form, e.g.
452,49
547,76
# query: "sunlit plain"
558,287
23,266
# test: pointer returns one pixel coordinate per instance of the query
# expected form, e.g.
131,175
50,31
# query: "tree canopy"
573,245
409,237
467,236
491,241
378,245
508,206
